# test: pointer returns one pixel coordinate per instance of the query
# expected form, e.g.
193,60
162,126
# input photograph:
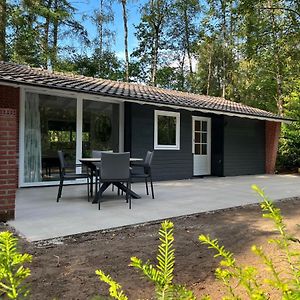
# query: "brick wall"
272,138
9,152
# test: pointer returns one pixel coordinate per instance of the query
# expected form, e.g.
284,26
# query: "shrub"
161,274
289,146
12,271
229,272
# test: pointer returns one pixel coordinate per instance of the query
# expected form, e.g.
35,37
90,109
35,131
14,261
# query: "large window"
50,125
166,130
56,122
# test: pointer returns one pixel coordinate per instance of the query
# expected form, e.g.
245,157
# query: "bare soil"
65,268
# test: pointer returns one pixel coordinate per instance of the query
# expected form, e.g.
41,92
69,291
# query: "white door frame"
197,118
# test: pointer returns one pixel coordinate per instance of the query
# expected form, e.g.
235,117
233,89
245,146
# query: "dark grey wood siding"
167,164
238,145
244,146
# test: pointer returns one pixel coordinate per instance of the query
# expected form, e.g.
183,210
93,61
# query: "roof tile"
15,73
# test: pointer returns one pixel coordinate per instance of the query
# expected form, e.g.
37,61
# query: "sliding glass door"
100,127
50,124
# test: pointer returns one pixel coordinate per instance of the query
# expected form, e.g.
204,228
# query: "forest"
243,50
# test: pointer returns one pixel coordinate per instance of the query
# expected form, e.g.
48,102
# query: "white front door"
201,145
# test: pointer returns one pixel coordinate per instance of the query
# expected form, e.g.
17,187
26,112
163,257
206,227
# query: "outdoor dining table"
89,162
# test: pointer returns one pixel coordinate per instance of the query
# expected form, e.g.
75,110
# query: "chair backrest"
115,166
62,165
98,153
149,158
61,159
148,161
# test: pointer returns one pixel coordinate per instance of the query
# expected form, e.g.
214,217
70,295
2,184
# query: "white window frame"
79,98
167,114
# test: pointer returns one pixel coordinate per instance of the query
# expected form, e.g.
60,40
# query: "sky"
87,7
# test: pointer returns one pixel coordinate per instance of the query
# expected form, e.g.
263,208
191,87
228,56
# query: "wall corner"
272,132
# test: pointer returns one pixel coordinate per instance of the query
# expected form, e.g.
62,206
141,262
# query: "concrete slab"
39,217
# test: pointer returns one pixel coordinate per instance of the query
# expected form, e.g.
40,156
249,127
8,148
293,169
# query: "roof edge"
15,83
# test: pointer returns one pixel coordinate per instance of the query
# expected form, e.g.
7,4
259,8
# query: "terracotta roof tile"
21,74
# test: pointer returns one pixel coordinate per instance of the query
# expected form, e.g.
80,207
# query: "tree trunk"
278,71
46,34
224,66
2,29
100,26
187,39
209,72
182,71
125,40
155,57
55,37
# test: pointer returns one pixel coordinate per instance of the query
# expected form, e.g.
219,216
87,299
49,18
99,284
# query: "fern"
228,270
12,271
115,289
291,288
246,276
162,275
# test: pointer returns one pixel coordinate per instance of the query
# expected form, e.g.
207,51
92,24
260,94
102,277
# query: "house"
192,135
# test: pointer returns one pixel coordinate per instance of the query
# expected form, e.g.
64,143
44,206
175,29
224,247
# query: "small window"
166,130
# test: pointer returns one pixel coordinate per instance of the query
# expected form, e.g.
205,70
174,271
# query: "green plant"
231,274
161,274
115,289
12,271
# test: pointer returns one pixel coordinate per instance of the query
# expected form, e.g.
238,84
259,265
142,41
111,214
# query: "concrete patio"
39,217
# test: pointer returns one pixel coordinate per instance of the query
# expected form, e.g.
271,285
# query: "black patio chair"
63,175
115,169
96,165
147,172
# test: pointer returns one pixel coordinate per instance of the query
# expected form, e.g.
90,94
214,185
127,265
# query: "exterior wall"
9,116
272,139
217,146
170,164
167,164
244,146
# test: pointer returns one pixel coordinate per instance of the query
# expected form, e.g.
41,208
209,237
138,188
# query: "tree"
150,34
105,65
124,10
3,24
103,18
270,49
182,36
35,28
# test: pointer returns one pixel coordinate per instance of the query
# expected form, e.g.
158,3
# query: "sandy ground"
66,268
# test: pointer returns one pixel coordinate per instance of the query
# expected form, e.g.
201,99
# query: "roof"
24,75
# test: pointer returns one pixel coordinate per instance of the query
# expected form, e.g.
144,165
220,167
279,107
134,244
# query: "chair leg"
88,188
92,182
96,182
152,187
61,182
99,195
128,196
146,183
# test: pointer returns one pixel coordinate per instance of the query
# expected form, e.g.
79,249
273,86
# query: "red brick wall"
9,152
272,138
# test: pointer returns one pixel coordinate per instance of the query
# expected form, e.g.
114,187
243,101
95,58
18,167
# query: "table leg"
103,187
123,188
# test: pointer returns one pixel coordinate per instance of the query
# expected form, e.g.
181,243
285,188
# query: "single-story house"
192,135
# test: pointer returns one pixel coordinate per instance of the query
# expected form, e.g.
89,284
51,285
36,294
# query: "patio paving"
39,217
